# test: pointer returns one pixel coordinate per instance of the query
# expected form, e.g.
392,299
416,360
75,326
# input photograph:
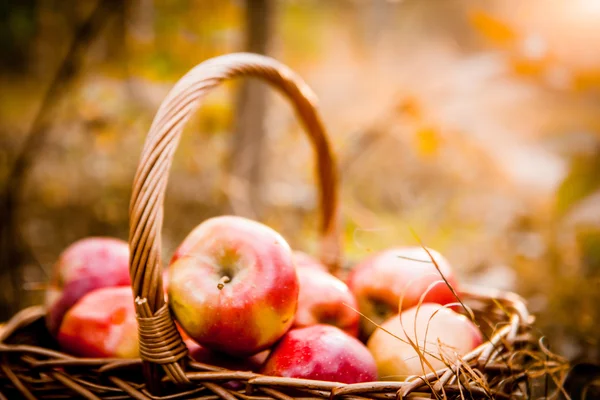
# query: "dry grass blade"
415,346
438,268
452,289
384,329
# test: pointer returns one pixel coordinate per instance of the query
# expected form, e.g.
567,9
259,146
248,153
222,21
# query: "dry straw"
512,363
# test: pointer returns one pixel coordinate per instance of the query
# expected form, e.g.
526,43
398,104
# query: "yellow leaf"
492,28
525,67
587,79
427,141
106,136
411,107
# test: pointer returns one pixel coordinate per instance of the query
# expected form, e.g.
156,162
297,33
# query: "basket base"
33,333
33,367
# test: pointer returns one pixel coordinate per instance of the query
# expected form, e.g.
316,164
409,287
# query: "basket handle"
146,205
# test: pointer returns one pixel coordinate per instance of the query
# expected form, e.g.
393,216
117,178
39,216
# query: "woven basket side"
508,365
160,343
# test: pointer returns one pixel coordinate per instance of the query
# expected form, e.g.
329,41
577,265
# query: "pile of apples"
242,298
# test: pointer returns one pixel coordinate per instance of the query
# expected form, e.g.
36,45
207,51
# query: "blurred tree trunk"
14,252
246,169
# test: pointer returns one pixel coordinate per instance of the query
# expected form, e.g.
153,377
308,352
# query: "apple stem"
222,282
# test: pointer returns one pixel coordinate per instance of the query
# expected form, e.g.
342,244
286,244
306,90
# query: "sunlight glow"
589,8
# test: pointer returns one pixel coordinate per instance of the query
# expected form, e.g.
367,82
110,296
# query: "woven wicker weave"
33,367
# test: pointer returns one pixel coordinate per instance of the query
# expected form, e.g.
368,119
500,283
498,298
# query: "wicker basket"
33,367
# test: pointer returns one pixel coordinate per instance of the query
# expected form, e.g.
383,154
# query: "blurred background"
474,124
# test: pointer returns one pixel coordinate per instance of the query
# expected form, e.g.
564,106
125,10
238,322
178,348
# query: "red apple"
381,280
101,324
321,352
440,334
203,355
323,298
234,289
85,265
302,259
207,356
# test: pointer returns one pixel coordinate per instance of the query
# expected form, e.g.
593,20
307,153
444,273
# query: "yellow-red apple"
101,324
234,287
323,298
321,352
381,280
442,336
86,265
